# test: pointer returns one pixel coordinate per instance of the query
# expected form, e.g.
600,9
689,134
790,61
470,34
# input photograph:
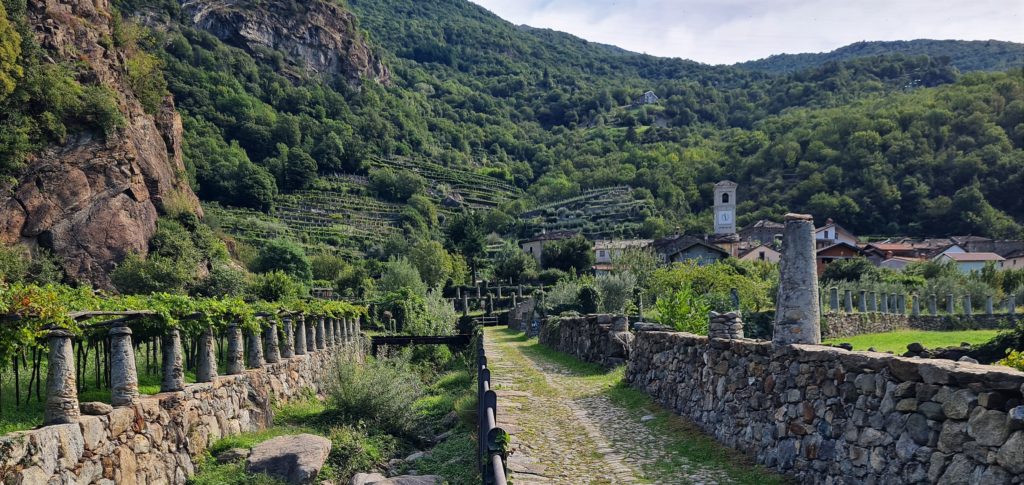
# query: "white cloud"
728,31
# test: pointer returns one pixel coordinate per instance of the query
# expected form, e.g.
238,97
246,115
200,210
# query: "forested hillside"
975,55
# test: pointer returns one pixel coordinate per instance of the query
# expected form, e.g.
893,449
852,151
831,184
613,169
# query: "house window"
761,256
600,253
725,198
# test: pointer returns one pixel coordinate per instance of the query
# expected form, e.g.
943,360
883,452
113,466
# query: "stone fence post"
848,301
873,302
1011,305
174,372
862,303
61,386
901,304
988,306
933,307
329,327
797,316
833,299
915,305
206,369
465,305
725,325
950,304
288,349
273,348
124,379
321,338
235,351
310,337
968,308
885,303
300,335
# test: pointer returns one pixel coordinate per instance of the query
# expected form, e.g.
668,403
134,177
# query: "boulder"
366,478
296,459
232,455
410,480
96,408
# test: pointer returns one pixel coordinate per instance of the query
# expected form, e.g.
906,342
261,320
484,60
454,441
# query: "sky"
729,31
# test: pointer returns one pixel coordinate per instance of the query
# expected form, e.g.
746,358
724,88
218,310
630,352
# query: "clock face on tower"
724,217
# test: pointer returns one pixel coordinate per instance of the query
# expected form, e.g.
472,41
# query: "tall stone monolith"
797,315
848,301
124,379
236,350
206,369
288,345
173,369
61,387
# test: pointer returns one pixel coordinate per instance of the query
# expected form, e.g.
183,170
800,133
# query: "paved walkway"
565,430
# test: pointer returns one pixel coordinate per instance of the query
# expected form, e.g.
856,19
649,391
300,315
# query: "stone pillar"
933,304
873,302
797,319
124,379
515,300
988,306
174,371
458,292
950,304
254,357
332,338
833,299
235,351
1011,305
321,340
885,303
310,337
725,325
519,290
478,296
206,369
339,334
270,339
848,300
288,349
499,292
901,304
916,305
465,305
862,303
300,335
968,308
490,305
61,386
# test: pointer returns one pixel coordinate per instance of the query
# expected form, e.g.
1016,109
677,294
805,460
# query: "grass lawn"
897,341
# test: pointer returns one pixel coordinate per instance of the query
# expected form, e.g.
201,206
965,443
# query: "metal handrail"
491,454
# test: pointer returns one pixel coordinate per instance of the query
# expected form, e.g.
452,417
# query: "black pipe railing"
492,441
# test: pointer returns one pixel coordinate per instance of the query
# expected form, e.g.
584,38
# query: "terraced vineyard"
598,213
341,211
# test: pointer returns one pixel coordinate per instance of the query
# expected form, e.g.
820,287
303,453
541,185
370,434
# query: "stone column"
988,306
254,357
321,340
862,304
458,292
725,325
339,334
933,304
916,305
490,305
1011,305
235,351
873,302
288,349
499,292
465,305
950,304
968,308
124,379
300,335
885,303
848,300
330,331
61,386
833,299
515,300
273,348
797,319
174,371
310,337
206,369
478,296
901,304
519,289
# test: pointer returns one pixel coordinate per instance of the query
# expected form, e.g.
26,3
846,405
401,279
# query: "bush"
588,299
353,450
616,291
284,256
400,274
563,297
274,286
378,393
684,311
223,280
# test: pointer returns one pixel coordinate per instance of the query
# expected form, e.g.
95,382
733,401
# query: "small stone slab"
296,459
410,480
232,455
95,408
366,478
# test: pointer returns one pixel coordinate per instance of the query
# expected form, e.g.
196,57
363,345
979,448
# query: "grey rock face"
295,459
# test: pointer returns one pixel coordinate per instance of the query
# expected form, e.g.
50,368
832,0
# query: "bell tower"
725,207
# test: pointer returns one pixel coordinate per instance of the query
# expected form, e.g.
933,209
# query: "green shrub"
684,311
353,450
616,291
138,276
378,393
274,286
284,256
588,300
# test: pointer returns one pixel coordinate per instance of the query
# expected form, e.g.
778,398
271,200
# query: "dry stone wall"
600,339
827,415
156,440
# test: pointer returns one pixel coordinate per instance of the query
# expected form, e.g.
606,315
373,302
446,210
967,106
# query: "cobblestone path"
565,430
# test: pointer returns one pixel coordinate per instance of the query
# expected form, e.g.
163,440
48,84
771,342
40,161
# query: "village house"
761,252
969,262
676,249
608,251
647,98
831,234
764,232
835,252
1014,260
535,245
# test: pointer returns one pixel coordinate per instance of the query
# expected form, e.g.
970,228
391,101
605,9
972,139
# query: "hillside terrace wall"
157,441
839,325
827,415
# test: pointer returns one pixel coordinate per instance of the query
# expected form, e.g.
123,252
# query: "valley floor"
573,422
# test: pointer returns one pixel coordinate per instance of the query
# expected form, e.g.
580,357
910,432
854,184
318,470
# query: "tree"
572,254
285,256
399,274
432,261
275,286
300,170
851,269
513,264
467,236
10,50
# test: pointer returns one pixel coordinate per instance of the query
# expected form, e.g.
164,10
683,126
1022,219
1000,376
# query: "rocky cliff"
95,198
319,36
